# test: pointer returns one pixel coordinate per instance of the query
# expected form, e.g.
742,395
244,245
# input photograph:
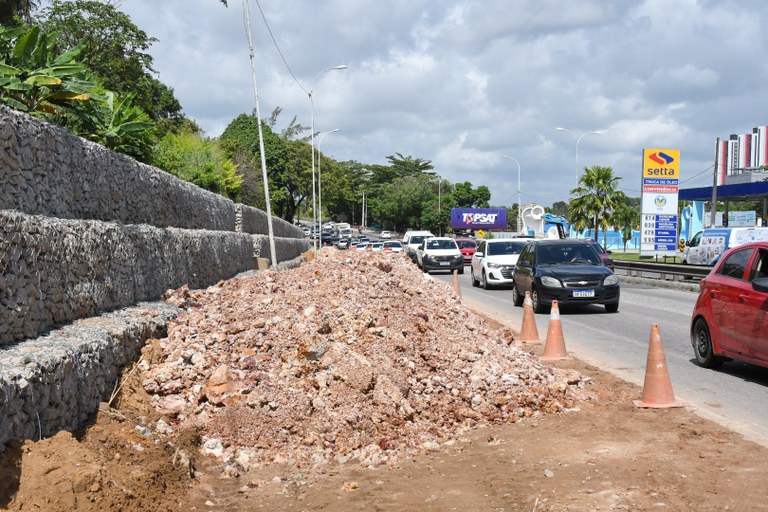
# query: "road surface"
736,396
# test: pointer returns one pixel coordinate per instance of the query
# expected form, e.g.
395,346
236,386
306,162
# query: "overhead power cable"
274,41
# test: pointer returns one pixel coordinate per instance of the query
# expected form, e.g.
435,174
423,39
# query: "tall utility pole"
714,188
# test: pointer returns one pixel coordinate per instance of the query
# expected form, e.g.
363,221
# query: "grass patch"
633,256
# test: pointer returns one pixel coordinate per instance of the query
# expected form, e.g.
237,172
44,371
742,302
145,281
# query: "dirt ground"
605,455
609,455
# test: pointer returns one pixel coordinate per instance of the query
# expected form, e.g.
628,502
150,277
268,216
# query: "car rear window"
441,244
415,240
464,244
566,253
499,248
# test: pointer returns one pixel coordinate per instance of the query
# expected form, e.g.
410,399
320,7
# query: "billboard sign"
660,186
478,218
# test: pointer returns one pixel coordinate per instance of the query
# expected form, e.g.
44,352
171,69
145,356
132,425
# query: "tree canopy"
596,198
116,51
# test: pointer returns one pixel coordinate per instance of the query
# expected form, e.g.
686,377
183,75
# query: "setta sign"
478,218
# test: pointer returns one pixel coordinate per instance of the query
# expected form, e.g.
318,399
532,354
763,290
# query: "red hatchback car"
467,246
730,320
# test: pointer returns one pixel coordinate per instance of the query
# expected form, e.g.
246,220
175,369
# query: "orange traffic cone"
554,347
456,287
529,333
657,389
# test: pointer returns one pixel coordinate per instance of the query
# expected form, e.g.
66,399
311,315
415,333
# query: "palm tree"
11,8
596,197
625,218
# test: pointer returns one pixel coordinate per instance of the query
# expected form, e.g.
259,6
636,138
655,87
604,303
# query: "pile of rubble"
349,356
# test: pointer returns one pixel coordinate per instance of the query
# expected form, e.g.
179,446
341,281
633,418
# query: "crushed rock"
351,356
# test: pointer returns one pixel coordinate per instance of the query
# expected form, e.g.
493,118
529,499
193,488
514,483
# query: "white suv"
494,261
439,253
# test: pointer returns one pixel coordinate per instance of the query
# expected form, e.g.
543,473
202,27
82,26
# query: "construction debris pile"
351,356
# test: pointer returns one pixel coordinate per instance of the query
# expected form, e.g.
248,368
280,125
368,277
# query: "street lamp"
519,200
578,139
319,177
310,93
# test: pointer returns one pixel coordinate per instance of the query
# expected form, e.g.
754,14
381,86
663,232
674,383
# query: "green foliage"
240,141
403,166
467,197
596,198
9,9
560,208
115,49
625,218
118,125
200,161
34,78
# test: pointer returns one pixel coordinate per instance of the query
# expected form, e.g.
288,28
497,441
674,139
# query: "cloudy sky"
463,82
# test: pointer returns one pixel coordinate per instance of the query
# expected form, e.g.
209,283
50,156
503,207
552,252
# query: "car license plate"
445,263
583,293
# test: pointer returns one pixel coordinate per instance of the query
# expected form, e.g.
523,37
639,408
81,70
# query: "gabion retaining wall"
57,270
57,381
47,171
84,231
253,220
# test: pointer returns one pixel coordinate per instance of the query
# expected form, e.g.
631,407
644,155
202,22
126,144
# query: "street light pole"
310,93
578,139
439,206
320,177
519,197
270,229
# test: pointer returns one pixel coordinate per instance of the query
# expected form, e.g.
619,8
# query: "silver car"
494,261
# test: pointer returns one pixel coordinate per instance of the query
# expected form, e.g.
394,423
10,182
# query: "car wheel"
484,281
612,308
538,307
517,299
424,269
702,346
475,282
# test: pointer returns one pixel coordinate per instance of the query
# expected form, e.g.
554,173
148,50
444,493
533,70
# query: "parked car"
361,246
567,270
705,246
376,246
467,246
439,253
385,235
730,319
604,254
393,246
493,263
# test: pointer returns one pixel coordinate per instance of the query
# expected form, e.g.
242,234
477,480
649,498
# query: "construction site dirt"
355,382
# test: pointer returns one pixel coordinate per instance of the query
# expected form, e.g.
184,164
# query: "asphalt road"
736,396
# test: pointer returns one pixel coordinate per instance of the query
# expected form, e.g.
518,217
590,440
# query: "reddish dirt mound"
352,356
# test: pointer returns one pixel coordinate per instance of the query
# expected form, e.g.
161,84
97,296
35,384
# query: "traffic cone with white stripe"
529,333
657,388
554,347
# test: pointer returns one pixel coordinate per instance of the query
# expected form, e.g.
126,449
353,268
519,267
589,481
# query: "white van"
705,247
411,241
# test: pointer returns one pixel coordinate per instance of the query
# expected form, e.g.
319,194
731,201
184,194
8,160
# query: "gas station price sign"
660,187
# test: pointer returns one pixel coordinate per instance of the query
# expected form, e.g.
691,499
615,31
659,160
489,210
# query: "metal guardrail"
662,270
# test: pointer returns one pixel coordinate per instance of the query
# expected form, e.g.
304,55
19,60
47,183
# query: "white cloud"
461,82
